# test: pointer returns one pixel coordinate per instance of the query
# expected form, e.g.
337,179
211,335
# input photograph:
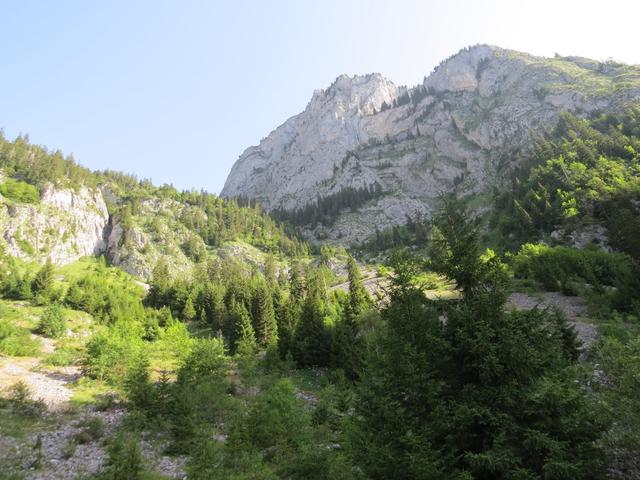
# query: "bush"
20,397
125,459
92,430
277,424
207,359
53,323
19,191
112,350
17,342
564,268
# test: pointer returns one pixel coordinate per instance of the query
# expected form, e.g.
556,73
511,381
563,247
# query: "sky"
176,90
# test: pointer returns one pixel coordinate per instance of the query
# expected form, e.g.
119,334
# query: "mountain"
370,154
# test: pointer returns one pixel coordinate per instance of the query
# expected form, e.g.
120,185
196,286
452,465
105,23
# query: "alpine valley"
430,282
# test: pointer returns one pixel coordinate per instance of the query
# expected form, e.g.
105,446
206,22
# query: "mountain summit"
461,130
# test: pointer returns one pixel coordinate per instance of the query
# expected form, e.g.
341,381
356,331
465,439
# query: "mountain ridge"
458,130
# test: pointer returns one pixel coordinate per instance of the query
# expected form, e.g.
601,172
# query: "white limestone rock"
460,131
66,225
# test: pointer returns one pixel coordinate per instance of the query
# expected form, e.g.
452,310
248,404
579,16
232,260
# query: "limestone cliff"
460,129
67,224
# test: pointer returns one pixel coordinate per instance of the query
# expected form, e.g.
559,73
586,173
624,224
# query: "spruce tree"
160,284
463,389
312,341
43,281
296,282
189,312
266,327
244,337
270,271
358,297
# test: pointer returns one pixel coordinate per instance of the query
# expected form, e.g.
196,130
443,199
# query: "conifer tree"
266,327
358,297
244,337
43,281
296,282
189,312
463,389
312,342
270,271
160,284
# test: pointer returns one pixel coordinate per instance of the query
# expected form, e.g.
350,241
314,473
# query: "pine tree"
43,281
160,284
296,282
189,312
464,389
266,327
358,297
287,315
244,337
312,341
270,271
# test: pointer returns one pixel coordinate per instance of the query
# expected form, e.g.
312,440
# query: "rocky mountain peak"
358,94
460,72
458,130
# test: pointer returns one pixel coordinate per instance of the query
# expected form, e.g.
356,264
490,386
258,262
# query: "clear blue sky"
175,91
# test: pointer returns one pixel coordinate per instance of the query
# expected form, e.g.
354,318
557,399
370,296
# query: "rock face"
154,233
460,129
66,225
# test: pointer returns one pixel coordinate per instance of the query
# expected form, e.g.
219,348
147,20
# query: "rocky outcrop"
66,225
460,130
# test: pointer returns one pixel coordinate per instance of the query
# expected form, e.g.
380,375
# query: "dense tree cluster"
295,314
585,172
325,209
36,165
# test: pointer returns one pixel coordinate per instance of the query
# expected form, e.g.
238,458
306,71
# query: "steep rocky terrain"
67,224
461,129
70,223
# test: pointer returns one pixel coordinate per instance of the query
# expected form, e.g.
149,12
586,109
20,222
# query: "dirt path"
53,453
574,308
48,386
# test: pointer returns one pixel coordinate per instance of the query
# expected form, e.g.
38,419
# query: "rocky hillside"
52,208
461,129
64,226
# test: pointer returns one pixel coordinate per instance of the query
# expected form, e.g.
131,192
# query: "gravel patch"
574,308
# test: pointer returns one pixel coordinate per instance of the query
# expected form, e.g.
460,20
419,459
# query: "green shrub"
64,356
19,191
620,362
125,459
112,350
564,268
137,385
276,425
17,342
92,430
20,397
53,322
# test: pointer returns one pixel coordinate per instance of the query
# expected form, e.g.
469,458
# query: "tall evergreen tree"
189,312
296,282
266,326
466,390
359,299
243,337
312,342
43,281
270,271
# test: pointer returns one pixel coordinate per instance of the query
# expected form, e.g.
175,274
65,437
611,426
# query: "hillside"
51,208
385,152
